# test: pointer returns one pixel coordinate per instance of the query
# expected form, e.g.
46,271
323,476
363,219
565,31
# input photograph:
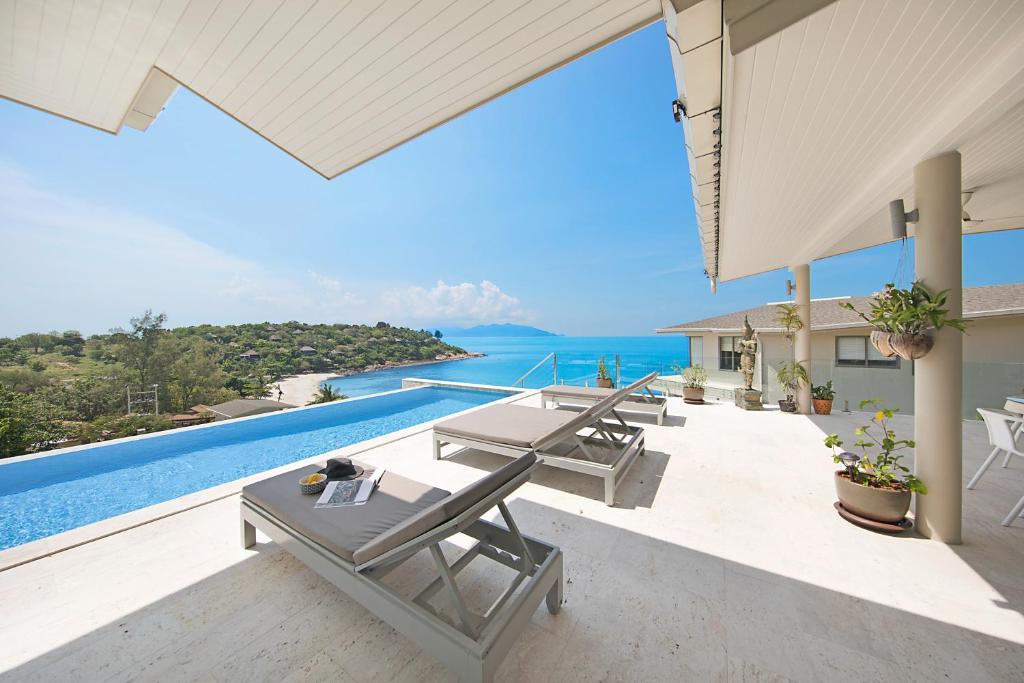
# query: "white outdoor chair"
1001,427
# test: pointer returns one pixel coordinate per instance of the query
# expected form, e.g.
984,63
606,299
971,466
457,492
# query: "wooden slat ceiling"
823,122
332,82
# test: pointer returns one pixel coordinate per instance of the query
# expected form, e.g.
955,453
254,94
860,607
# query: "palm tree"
327,394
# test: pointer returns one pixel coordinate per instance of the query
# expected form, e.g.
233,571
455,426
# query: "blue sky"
564,204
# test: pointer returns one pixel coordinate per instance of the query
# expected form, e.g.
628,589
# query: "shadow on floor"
987,545
637,608
636,490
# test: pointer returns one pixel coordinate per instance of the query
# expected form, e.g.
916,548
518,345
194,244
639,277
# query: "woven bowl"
313,483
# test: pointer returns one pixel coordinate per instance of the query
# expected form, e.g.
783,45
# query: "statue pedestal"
748,399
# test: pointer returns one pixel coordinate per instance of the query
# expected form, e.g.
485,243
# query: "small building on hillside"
244,407
842,352
307,351
250,355
275,337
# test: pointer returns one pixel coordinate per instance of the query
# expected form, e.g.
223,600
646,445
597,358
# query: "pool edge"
51,545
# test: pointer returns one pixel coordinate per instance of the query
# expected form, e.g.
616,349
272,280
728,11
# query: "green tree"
27,424
437,334
138,345
196,374
327,394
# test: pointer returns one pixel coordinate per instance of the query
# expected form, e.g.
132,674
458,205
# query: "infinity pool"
47,495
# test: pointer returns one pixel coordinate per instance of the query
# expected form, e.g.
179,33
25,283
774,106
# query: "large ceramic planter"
604,383
787,406
693,394
823,406
880,505
911,346
880,340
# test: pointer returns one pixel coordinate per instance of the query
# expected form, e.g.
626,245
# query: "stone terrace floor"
723,560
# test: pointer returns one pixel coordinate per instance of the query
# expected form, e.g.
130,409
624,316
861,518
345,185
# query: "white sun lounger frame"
475,647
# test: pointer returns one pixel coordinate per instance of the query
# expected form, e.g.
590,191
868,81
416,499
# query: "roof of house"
241,407
979,302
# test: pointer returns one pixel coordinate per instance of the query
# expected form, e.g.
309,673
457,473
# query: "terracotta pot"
881,505
787,406
880,340
911,346
693,394
604,383
823,406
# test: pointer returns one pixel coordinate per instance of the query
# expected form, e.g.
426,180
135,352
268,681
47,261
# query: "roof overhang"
332,84
802,126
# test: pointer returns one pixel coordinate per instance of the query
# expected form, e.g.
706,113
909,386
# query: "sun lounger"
356,547
596,441
643,401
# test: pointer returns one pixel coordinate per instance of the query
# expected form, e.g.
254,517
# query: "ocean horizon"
508,358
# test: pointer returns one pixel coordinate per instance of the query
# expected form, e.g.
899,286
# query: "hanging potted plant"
790,376
604,380
905,320
879,488
822,396
694,381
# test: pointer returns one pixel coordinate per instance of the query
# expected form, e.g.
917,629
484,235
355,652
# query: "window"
696,351
728,356
860,352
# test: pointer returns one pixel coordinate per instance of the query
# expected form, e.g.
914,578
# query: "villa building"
840,351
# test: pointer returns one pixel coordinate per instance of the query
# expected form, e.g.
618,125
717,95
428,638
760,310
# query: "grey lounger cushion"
398,511
343,530
596,393
448,508
507,424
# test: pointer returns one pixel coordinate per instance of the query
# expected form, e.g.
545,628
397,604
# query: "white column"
938,377
802,345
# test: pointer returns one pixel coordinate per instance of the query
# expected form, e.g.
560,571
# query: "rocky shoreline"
390,365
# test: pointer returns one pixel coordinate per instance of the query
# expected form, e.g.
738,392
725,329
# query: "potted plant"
694,381
604,380
875,488
790,376
822,396
905,320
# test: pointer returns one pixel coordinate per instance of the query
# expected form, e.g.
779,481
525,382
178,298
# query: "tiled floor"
723,560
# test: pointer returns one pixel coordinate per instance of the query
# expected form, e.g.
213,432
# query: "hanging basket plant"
905,320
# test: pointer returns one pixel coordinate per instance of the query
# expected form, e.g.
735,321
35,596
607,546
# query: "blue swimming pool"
47,495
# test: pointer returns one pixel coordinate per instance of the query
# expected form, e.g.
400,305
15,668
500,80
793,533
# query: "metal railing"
552,357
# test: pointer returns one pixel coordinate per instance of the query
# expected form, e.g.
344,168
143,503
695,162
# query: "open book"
351,491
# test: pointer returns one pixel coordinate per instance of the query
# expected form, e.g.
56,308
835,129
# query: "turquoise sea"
508,358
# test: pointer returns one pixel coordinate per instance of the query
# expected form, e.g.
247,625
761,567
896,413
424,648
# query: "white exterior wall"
993,367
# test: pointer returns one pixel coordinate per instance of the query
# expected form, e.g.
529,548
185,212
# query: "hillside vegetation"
61,387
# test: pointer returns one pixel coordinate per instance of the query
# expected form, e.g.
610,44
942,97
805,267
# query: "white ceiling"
333,83
823,122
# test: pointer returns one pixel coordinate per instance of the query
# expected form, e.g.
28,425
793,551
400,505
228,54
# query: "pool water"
48,495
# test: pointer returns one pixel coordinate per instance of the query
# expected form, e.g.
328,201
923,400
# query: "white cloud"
461,303
70,263
335,289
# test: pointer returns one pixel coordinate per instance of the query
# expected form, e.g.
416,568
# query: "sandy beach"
300,389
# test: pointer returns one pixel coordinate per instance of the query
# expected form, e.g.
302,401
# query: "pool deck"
723,560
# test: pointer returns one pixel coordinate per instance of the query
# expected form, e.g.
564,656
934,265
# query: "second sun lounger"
643,401
355,548
596,441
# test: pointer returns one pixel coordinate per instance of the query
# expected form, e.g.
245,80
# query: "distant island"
497,330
